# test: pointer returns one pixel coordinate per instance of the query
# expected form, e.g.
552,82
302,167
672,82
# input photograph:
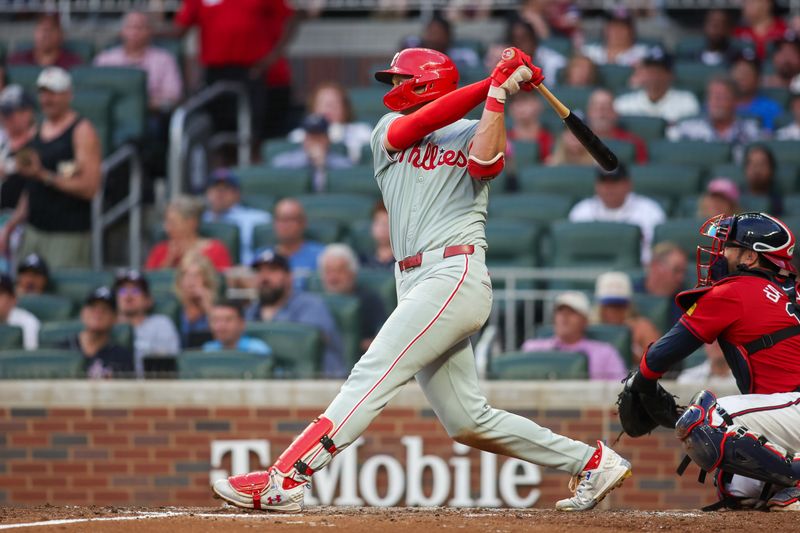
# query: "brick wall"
161,455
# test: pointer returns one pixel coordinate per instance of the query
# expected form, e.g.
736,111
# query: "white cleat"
266,491
787,499
591,486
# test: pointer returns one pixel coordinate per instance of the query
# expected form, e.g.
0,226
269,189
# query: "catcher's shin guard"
314,436
733,448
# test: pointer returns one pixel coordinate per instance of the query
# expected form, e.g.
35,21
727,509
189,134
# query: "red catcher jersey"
741,309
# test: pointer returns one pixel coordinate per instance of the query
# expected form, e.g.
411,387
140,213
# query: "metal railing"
130,205
180,141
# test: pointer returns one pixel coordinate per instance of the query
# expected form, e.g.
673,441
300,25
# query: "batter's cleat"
787,499
591,486
265,491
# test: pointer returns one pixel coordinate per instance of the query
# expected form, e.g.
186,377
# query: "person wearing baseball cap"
613,295
33,276
657,97
12,315
17,129
154,335
279,301
721,196
223,204
570,321
103,358
62,171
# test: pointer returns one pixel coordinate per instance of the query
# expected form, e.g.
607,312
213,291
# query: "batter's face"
337,277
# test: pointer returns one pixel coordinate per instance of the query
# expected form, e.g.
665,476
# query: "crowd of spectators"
50,170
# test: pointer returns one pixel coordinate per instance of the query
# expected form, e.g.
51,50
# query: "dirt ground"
400,520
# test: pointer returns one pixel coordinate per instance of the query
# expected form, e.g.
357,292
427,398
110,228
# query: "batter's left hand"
515,68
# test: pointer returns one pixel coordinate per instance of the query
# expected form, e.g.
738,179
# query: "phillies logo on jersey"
432,157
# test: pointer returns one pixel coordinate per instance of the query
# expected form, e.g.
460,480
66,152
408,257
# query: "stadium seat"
96,105
368,101
542,208
168,305
382,282
689,46
562,45
347,313
263,236
694,75
81,47
698,357
596,244
41,364
624,150
576,181
76,284
685,232
791,205
24,75
340,207
357,180
47,307
324,230
574,97
297,348
617,336
525,153
784,151
687,207
359,236
10,337
272,147
276,182
665,179
226,233
655,308
512,242
53,334
549,365
785,173
161,281
223,364
614,77
265,202
648,128
701,154
129,85
751,202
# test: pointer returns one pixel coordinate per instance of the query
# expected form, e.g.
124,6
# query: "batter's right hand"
514,69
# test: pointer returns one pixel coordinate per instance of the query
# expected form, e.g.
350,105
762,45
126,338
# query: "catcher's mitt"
644,405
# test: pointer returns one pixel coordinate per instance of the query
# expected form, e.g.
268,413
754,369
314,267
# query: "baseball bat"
599,151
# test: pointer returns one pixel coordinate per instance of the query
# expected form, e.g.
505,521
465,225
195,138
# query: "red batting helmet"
429,70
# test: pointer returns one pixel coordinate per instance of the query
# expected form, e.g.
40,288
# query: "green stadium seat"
272,147
347,313
53,334
562,45
173,46
223,364
542,208
340,207
648,128
574,97
785,173
687,207
276,182
24,75
617,336
41,364
357,180
359,236
161,281
614,77
129,86
698,357
664,179
689,46
655,308
596,244
784,151
47,307
694,76
265,202
168,305
383,283
76,284
701,154
10,337
82,48
791,205
526,153
576,181
297,348
624,150
512,242
263,237
751,202
548,365
685,232
96,105
324,230
368,101
226,233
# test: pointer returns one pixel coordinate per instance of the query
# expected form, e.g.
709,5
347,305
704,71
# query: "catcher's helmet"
759,232
429,70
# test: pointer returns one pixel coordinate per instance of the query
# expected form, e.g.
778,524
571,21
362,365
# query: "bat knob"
508,54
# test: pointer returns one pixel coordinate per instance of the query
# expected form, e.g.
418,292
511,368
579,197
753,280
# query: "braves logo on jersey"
434,156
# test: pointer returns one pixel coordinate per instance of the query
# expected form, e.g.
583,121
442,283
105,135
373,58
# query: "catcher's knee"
701,440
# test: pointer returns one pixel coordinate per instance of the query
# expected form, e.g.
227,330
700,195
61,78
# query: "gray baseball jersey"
445,206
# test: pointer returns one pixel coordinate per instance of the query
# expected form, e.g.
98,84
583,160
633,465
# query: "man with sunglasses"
746,300
154,335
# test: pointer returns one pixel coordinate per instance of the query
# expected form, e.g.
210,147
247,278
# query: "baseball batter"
433,169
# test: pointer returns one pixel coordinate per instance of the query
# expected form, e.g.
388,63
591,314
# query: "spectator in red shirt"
245,40
181,223
760,25
604,121
48,49
525,111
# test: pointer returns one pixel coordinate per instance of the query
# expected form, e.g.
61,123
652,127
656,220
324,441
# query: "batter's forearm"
490,139
407,130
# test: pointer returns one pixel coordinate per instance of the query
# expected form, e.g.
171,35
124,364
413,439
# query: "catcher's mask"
762,233
430,74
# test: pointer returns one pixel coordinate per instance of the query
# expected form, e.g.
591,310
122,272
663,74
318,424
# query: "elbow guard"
486,170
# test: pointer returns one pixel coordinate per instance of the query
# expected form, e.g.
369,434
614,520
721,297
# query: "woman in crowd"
181,223
196,286
569,151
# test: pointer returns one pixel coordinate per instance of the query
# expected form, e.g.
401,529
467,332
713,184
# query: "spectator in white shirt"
657,97
720,123
615,201
619,46
792,131
12,315
223,197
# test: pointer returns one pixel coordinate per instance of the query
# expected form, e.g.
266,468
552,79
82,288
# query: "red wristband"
493,104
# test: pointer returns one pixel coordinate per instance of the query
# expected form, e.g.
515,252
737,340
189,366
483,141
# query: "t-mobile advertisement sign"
353,480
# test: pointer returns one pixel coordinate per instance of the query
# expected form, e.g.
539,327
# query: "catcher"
746,299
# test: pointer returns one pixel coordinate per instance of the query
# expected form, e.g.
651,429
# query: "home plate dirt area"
383,520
